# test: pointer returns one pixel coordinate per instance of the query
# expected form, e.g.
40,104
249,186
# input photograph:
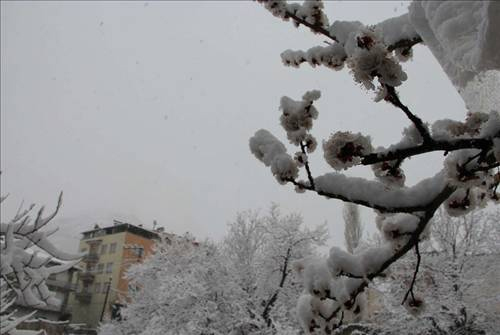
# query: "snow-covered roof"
119,227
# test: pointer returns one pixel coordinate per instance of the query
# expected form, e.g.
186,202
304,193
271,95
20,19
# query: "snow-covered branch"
433,145
28,257
471,147
8,318
311,15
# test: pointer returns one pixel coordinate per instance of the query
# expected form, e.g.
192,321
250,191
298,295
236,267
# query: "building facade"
101,285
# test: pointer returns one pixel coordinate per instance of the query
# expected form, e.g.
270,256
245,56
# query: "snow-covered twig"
414,278
26,269
393,98
434,145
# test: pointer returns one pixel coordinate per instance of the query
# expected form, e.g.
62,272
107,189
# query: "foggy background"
142,111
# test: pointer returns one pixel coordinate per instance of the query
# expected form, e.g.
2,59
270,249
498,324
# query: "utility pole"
105,299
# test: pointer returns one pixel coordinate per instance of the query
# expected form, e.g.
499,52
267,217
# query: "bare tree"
472,234
462,243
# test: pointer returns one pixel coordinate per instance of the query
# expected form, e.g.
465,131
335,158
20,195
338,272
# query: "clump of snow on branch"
450,129
368,58
345,149
8,318
325,302
389,172
272,152
297,118
396,29
332,56
461,202
376,194
316,276
457,171
393,226
361,48
360,264
491,126
310,11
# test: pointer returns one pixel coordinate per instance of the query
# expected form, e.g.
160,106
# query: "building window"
105,287
109,267
97,288
104,248
100,268
112,248
137,251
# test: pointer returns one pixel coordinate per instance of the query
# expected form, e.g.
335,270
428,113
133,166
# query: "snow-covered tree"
462,268
243,244
262,249
243,286
186,287
27,256
457,280
463,36
472,234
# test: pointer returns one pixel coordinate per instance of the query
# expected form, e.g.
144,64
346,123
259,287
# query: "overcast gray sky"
143,111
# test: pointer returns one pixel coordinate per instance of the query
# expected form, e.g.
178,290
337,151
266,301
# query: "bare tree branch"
413,280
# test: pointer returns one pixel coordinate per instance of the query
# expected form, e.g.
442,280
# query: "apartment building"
101,285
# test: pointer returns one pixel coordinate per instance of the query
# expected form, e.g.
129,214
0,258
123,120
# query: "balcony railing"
61,284
84,297
91,258
86,277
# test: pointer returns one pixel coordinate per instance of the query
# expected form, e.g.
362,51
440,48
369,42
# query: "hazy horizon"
142,111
